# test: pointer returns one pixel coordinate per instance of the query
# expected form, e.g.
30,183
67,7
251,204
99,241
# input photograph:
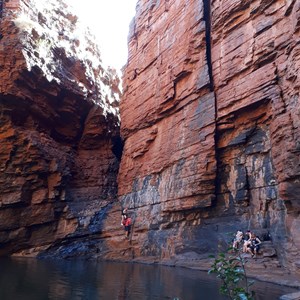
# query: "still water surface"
30,279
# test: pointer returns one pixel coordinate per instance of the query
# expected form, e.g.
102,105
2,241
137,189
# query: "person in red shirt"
127,225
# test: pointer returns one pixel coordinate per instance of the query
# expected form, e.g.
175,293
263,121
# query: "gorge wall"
210,124
210,120
59,133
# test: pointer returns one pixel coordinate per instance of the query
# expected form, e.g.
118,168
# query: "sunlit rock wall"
210,120
59,133
168,122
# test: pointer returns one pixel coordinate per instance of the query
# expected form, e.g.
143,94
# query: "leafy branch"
230,268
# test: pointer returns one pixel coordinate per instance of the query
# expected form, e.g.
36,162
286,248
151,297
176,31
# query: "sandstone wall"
210,122
168,169
210,119
255,59
59,133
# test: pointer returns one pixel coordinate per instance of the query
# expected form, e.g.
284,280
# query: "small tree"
231,270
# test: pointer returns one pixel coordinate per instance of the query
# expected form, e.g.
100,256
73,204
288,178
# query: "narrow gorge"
208,141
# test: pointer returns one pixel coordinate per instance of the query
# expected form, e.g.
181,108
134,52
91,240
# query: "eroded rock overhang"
59,130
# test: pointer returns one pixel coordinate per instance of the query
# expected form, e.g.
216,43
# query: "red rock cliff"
210,119
59,128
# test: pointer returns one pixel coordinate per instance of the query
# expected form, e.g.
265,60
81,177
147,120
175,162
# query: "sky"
109,21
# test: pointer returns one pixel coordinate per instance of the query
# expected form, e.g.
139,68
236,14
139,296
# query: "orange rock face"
168,168
210,120
59,126
168,110
255,56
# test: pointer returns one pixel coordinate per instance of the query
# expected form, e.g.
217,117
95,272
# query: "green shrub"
230,268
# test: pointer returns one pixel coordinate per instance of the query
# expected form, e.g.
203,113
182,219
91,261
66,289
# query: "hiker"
237,240
124,214
247,239
127,225
253,247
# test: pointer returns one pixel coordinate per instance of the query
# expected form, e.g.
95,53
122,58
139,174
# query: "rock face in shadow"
59,133
255,59
210,120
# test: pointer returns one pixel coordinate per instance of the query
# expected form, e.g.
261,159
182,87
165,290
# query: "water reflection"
38,280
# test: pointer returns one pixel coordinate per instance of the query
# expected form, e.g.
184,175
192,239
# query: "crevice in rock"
277,80
118,145
290,8
207,20
1,8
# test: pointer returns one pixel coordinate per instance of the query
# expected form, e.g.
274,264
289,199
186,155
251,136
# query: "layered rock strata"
210,120
255,59
169,157
59,133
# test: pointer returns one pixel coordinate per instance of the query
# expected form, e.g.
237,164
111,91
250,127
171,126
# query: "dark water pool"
30,279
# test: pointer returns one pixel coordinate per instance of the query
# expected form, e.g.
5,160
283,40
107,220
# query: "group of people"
249,241
126,222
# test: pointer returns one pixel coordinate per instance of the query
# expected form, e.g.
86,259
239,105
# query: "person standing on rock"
126,222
